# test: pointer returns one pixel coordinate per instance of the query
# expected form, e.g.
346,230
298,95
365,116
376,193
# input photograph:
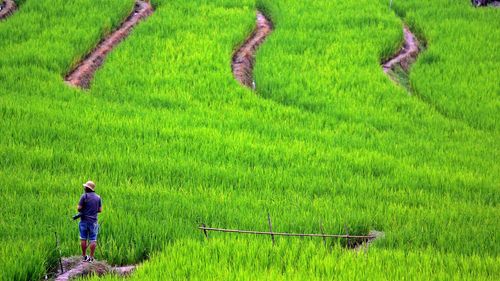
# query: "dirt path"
244,57
74,267
84,72
71,273
406,56
397,67
7,7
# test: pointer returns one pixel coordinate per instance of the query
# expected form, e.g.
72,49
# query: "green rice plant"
247,259
172,141
457,73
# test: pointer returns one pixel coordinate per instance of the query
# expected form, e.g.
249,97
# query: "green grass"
401,77
457,73
305,260
172,140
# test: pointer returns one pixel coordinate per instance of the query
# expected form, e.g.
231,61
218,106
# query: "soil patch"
82,75
73,267
398,66
244,57
406,55
363,245
7,7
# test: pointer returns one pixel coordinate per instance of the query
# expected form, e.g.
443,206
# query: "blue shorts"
88,230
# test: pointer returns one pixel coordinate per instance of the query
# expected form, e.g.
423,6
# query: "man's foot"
91,260
85,258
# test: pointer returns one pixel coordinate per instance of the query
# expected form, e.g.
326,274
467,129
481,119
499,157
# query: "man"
89,206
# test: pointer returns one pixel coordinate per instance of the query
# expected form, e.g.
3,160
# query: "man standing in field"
88,207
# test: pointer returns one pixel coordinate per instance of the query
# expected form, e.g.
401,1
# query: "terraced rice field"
173,140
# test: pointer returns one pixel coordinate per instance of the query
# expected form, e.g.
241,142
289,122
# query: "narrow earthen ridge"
84,72
406,56
124,270
244,57
7,7
74,267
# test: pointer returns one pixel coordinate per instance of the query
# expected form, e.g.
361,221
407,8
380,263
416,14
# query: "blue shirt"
91,203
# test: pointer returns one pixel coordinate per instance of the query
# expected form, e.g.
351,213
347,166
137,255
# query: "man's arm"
80,203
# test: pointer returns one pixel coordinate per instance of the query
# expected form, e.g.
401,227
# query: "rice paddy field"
172,140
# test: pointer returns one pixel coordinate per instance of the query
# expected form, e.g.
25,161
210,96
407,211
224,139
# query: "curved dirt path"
74,267
244,57
406,56
84,72
7,7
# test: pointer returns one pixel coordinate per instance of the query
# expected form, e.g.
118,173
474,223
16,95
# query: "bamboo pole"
59,252
322,232
347,233
270,227
287,234
203,227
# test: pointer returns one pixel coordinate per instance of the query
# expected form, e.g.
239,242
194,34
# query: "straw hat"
90,185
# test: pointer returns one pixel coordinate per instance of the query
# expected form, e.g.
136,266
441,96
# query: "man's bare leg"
93,244
83,243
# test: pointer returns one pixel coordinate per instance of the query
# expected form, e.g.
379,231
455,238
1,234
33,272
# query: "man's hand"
79,208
